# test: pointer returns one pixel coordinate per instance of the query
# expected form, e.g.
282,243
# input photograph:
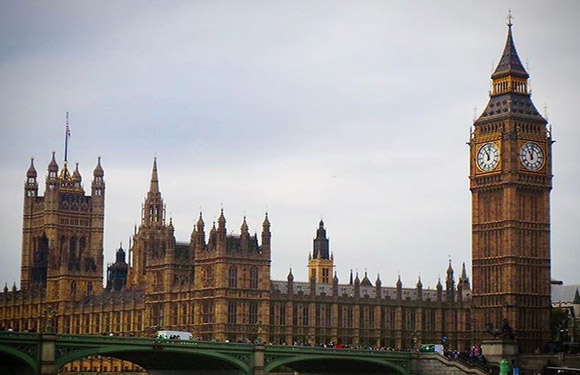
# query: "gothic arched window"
233,279
72,248
254,278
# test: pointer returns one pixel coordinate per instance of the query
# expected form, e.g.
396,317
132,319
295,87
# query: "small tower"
62,247
419,289
399,286
31,185
321,263
154,243
290,280
463,279
266,236
117,272
378,286
450,284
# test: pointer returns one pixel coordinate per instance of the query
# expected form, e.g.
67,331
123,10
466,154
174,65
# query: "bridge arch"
315,360
144,356
19,361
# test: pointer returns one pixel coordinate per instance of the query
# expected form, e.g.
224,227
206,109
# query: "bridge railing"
19,335
99,339
326,350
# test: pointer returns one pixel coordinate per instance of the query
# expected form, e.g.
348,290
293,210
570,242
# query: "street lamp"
49,315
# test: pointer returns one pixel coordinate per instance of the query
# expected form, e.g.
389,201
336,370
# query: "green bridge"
45,354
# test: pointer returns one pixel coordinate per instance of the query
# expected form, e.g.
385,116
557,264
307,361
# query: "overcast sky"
356,112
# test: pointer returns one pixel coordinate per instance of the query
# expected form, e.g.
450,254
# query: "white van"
174,335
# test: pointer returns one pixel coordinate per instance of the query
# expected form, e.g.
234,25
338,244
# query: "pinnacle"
154,187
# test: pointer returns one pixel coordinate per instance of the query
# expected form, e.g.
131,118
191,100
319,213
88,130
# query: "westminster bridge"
45,354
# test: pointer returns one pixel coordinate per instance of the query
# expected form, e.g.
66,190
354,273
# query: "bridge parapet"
45,354
304,357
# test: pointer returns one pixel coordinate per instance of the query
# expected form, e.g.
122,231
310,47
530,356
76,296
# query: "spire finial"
154,187
509,18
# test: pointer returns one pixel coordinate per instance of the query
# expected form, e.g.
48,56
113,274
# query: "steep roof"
564,293
510,62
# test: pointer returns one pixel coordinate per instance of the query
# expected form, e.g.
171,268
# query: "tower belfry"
321,262
510,181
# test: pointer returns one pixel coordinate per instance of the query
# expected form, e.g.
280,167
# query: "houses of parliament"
218,285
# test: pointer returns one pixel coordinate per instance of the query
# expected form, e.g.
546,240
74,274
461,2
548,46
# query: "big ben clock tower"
510,182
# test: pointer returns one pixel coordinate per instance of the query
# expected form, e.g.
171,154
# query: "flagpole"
66,135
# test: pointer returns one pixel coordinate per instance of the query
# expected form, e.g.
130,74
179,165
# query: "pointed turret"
510,95
222,220
154,185
31,185
419,289
450,284
31,173
439,288
200,224
335,285
212,238
290,279
365,281
98,184
266,235
52,177
399,288
351,280
244,236
378,289
509,63
320,263
76,174
321,247
76,177
356,286
53,166
153,208
198,235
98,172
463,279
244,227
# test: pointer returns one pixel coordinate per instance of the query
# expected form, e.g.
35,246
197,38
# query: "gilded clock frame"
478,147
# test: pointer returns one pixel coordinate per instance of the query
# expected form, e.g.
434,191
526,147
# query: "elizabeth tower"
510,182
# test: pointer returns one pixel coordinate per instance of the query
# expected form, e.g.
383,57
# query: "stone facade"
218,286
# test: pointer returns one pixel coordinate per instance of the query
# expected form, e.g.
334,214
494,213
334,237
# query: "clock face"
532,156
488,157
